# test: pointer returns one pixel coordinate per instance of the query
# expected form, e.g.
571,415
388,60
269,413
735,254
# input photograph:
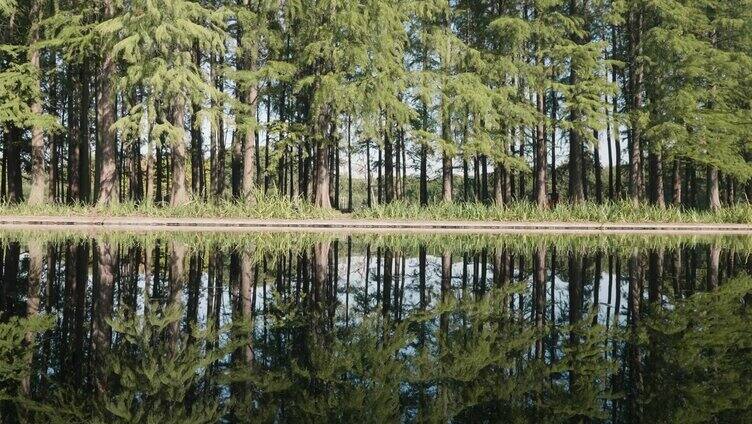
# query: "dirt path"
143,224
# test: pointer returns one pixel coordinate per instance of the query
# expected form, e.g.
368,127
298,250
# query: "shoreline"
149,224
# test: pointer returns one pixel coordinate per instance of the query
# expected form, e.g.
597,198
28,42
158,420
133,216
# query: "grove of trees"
494,101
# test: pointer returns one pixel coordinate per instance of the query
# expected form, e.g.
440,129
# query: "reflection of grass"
276,207
587,212
264,244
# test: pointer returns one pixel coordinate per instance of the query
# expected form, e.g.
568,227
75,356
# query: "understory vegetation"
283,208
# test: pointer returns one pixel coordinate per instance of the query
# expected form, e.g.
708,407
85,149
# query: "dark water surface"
187,328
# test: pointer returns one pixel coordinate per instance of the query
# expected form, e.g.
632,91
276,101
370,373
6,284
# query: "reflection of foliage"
353,377
17,337
703,350
154,376
156,372
474,363
585,361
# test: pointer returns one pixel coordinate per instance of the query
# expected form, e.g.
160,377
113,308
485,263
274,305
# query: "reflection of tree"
703,351
462,356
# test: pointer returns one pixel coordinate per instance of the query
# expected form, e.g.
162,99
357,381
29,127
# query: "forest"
349,104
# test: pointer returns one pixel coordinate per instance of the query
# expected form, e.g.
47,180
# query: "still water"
189,328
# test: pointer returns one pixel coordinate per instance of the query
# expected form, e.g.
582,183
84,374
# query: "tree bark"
598,170
108,174
388,168
37,195
713,189
321,188
676,198
635,103
179,194
541,155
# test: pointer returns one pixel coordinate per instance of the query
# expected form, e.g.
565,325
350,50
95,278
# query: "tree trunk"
349,166
676,198
37,195
321,188
713,189
499,185
576,188
388,168
108,174
541,155
598,171
179,194
84,172
635,103
13,152
655,160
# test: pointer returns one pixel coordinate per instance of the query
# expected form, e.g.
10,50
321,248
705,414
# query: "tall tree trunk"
610,155
541,155
108,174
84,172
369,184
635,103
598,171
499,185
321,188
179,194
655,161
676,198
615,110
714,193
37,195
388,168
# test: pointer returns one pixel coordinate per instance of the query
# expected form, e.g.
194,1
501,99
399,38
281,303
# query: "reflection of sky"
350,301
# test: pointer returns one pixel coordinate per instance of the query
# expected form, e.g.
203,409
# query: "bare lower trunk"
499,185
179,191
676,198
321,188
713,189
541,156
37,195
108,176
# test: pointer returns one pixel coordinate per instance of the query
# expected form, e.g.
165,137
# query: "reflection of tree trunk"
36,261
101,333
713,265
246,298
446,288
655,265
387,284
79,254
554,335
575,266
320,267
677,269
177,281
636,278
366,277
539,283
10,279
422,253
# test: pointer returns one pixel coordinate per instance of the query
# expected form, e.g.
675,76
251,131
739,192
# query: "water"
176,328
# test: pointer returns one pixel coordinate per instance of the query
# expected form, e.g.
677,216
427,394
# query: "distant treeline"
166,101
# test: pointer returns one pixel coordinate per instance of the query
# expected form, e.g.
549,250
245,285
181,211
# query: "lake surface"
176,328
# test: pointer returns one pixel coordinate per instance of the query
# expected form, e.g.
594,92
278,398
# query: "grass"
587,212
283,208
